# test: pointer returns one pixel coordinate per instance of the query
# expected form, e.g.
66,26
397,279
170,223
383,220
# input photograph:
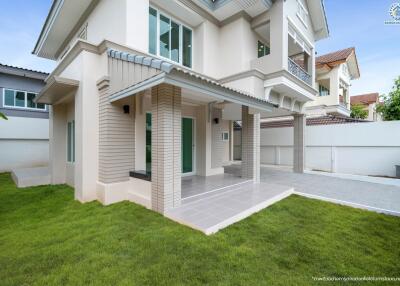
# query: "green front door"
187,144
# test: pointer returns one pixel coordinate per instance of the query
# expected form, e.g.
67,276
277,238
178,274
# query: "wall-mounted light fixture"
216,120
126,109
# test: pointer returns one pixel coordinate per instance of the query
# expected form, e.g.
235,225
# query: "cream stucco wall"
217,52
204,150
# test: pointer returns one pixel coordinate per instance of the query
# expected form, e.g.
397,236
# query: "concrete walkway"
365,195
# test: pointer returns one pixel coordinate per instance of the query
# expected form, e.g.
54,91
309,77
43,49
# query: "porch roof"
166,72
56,88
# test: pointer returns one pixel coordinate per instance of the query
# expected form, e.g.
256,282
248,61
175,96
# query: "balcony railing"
297,71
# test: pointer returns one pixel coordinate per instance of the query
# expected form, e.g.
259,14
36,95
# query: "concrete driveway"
366,195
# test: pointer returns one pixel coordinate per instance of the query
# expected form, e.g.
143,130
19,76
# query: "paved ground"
220,208
369,195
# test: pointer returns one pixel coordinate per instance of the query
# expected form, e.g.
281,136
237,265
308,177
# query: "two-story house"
370,102
146,92
24,137
334,73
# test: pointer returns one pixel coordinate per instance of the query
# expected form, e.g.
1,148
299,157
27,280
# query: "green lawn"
47,238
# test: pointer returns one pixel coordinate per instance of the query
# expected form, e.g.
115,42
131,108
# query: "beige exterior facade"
108,84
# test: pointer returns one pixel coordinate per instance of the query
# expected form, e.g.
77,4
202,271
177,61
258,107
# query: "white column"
312,68
299,143
166,155
58,143
250,145
279,35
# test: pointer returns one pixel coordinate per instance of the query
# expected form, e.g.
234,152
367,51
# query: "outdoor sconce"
216,120
126,109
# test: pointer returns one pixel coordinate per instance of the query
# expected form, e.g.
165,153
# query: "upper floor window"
169,39
263,49
302,13
323,91
345,70
21,99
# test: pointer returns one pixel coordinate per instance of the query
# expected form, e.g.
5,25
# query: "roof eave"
55,6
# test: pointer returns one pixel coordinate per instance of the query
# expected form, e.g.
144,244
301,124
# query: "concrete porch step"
29,177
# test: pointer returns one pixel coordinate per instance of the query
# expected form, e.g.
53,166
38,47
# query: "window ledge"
24,109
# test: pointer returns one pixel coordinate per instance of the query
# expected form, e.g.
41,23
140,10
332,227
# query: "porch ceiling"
154,71
55,89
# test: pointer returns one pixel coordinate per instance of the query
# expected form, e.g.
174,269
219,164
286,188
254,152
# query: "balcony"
297,71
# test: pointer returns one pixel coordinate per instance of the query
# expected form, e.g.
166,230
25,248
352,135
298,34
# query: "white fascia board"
184,81
53,13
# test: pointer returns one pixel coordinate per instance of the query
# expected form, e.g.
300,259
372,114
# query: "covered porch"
166,134
160,122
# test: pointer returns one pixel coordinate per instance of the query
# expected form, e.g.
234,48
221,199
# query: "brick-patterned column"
299,129
116,136
166,136
250,145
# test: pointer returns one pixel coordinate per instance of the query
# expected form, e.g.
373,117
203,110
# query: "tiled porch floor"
213,211
198,186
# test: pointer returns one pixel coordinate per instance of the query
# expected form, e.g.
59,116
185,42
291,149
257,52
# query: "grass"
47,238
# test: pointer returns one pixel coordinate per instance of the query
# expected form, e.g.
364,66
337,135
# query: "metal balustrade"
297,71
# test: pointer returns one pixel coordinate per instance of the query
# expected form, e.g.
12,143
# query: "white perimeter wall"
361,148
24,142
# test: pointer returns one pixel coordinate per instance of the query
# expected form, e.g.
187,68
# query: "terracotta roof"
311,121
364,98
334,58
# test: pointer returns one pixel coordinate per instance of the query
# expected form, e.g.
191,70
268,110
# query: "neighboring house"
151,89
24,137
370,102
334,73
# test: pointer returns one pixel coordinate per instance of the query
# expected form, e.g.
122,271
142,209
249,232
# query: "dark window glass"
30,97
73,140
175,42
148,142
187,47
41,105
262,49
152,31
164,36
20,99
69,142
9,97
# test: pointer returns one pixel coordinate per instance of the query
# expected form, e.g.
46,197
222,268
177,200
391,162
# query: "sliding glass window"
187,47
152,31
175,42
21,100
169,39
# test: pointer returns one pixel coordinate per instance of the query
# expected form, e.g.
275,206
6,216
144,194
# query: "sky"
352,23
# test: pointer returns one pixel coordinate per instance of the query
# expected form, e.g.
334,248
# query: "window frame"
25,107
181,25
223,136
322,88
265,46
70,140
300,7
